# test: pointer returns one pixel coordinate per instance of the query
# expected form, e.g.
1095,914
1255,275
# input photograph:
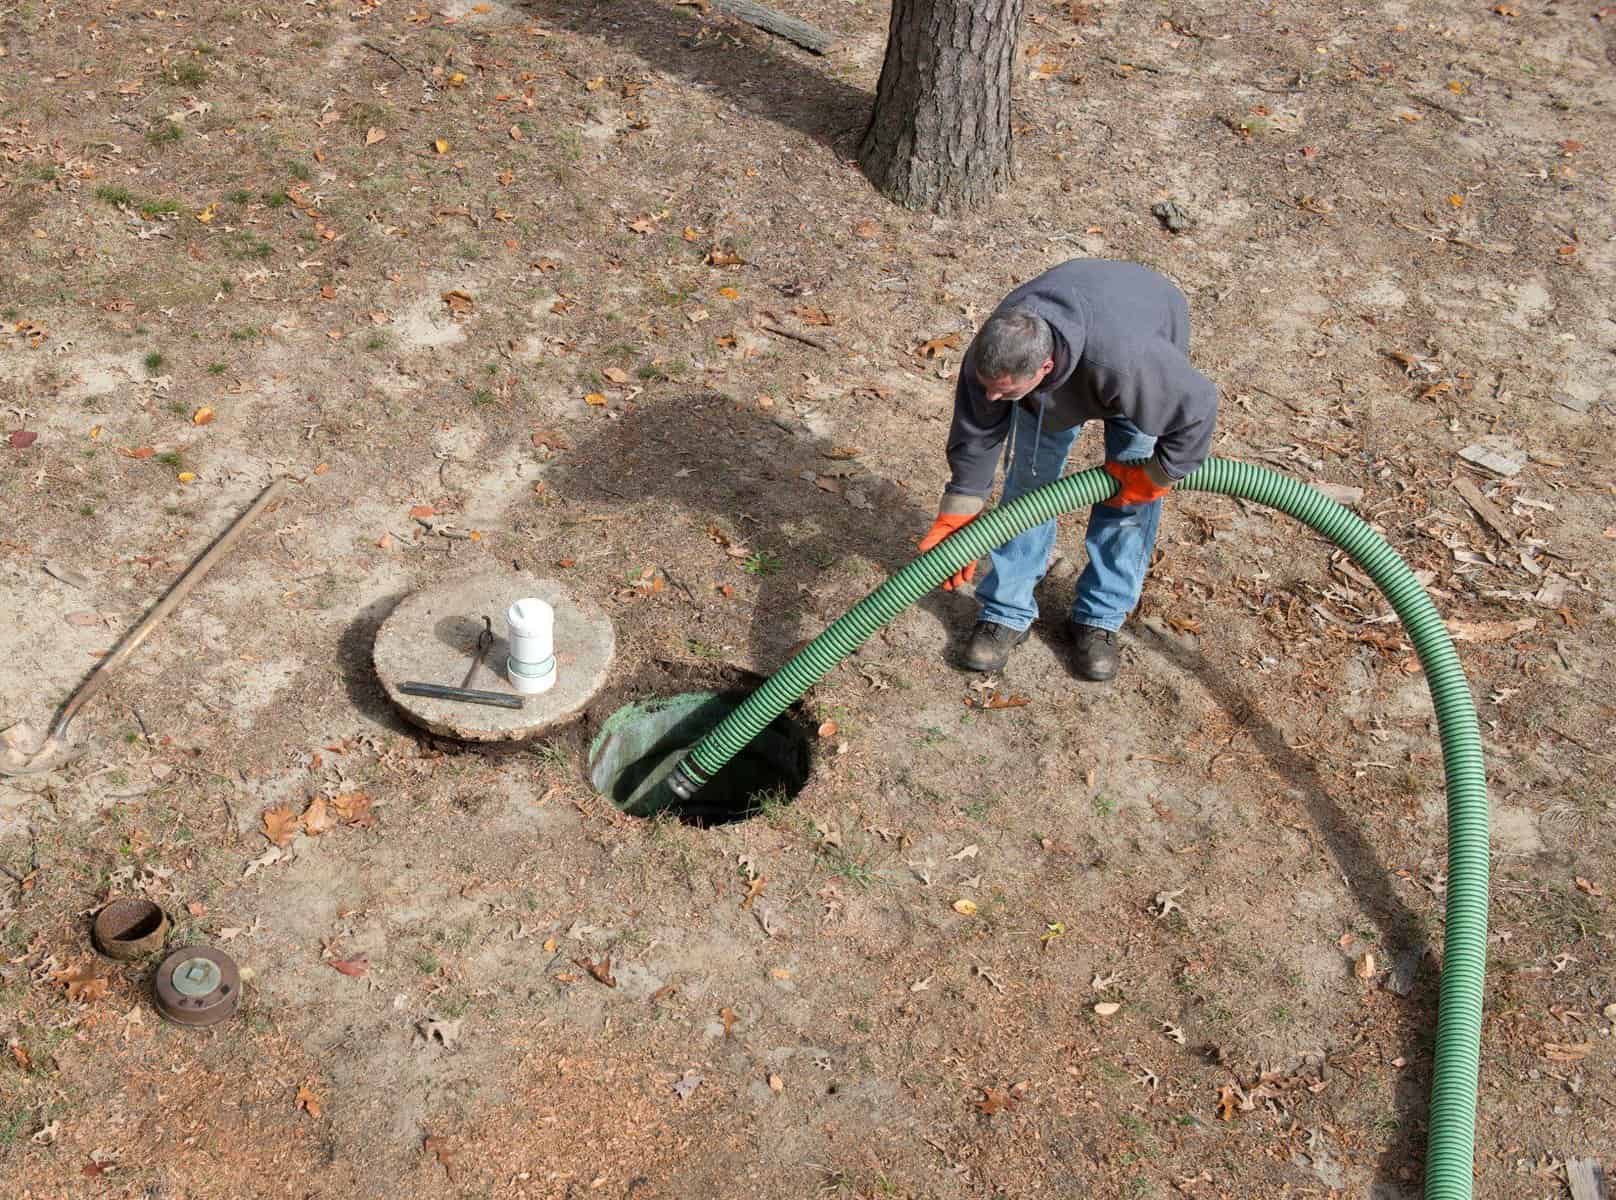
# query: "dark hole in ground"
641,741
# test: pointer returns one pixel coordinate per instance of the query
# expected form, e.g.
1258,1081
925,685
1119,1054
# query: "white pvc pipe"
531,665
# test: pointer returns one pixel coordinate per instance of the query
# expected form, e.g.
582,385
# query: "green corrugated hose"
1451,1145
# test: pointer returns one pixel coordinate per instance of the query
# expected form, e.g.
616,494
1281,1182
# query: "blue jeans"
1119,540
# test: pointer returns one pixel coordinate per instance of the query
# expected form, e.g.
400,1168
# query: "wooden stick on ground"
770,20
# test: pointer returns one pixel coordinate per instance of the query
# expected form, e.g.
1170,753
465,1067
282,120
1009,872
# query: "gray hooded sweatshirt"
1122,338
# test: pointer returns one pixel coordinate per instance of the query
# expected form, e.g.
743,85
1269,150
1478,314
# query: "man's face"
1008,388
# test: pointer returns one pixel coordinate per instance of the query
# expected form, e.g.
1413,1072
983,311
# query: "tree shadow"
1404,933
708,464
759,79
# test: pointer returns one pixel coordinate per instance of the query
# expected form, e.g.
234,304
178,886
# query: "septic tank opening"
641,742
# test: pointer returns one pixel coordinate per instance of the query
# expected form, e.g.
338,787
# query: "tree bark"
939,137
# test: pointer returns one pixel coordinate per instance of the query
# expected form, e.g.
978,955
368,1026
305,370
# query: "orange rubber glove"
945,524
1137,485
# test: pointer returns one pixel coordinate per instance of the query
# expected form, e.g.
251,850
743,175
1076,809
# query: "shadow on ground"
1402,930
354,656
704,461
775,84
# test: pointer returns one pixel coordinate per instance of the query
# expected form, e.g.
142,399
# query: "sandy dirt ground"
502,284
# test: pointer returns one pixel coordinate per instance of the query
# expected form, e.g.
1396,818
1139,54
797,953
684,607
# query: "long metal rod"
439,691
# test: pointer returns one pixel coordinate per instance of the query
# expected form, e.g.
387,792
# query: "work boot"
990,646
1094,653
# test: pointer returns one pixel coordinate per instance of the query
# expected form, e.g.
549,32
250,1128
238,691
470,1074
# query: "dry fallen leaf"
82,983
374,135
280,826
443,1151
1227,1103
354,809
776,1084
459,301
965,908
994,1100
727,1015
354,968
1588,887
720,257
616,374
728,293
441,145
828,729
595,399
1566,1052
1107,1008
202,416
1364,968
308,1101
317,818
754,889
935,347
422,511
602,970
867,228
551,440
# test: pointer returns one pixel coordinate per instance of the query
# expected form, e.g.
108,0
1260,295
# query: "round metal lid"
197,985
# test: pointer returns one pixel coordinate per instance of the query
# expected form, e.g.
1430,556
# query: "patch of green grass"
298,170
158,208
761,563
245,333
275,199
701,649
769,804
47,173
153,362
170,458
12,1123
843,865
189,73
120,197
554,756
164,133
1104,806
376,341
217,368
427,963
244,245
239,196
483,396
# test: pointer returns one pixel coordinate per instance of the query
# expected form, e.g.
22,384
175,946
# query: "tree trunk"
939,138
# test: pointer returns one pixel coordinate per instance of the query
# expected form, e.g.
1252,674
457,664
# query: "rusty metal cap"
129,929
197,985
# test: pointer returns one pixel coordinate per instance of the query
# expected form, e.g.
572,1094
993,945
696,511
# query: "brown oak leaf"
280,825
995,1100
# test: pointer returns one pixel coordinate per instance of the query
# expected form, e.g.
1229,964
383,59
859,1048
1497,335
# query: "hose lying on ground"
1450,1147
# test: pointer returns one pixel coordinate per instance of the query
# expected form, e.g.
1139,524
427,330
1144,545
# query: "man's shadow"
1404,933
717,472
765,79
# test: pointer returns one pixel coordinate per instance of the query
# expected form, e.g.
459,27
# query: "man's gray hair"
1013,343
